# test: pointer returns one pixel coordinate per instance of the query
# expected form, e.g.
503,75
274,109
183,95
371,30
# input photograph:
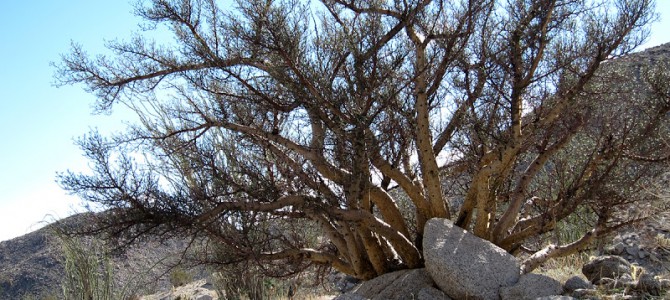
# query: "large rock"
531,286
607,266
405,284
465,266
431,293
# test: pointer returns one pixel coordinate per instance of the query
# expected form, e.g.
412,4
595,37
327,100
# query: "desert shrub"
240,281
562,268
235,282
180,277
89,271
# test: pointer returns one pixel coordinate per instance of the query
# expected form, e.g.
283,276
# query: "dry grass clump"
563,268
243,282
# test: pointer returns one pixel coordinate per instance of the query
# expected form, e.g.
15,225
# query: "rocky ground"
633,265
33,265
461,266
647,245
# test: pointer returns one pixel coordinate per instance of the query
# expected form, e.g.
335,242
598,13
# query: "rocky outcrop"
465,266
530,287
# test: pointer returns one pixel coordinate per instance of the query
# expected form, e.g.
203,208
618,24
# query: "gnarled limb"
311,255
430,172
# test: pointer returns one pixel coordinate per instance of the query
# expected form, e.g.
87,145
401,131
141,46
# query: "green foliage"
573,227
88,271
233,285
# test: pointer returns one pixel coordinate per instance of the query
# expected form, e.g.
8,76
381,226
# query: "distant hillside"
652,55
33,264
29,264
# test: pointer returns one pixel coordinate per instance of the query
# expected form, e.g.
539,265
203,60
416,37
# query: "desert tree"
290,133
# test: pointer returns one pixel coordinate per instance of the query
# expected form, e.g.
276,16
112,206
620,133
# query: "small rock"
611,284
576,283
642,254
584,293
606,282
664,283
557,297
633,250
650,285
343,282
531,286
208,285
619,297
349,296
608,266
618,248
625,278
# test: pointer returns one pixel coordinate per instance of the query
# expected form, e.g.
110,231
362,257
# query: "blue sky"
39,122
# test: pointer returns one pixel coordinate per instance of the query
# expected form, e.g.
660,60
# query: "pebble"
584,293
618,248
632,250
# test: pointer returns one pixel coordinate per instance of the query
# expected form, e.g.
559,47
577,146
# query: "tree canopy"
291,133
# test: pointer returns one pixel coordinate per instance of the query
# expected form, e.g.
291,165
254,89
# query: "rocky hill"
33,265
